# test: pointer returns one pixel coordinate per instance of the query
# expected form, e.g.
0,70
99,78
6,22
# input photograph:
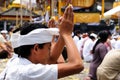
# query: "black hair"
4,54
16,50
28,27
25,50
91,37
77,32
16,30
102,37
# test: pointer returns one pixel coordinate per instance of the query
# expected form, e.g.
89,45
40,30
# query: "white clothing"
88,46
117,44
76,39
79,45
113,42
23,69
2,39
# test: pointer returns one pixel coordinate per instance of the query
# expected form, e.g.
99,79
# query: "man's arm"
74,64
56,46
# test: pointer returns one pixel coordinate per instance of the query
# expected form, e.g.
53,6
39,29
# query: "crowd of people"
40,52
98,51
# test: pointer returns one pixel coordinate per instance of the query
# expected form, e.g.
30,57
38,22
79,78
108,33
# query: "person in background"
113,40
4,34
108,42
5,47
109,69
117,43
37,59
99,51
81,43
10,31
88,46
77,37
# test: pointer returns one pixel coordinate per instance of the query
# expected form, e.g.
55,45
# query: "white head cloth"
4,31
38,36
14,40
93,34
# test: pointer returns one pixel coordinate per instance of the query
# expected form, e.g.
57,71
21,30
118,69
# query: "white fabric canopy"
26,2
112,12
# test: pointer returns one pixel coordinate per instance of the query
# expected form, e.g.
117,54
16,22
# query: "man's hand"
68,2
66,23
51,23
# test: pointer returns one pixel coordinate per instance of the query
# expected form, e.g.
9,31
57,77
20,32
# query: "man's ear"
36,47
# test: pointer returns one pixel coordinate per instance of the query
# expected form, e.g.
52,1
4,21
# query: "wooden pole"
103,7
30,10
21,15
16,18
5,4
52,7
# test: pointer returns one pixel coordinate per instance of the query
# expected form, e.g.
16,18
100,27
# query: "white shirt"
88,46
113,42
23,69
2,39
117,44
76,39
79,45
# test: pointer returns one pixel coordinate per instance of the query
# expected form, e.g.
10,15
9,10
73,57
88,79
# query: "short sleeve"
2,39
40,72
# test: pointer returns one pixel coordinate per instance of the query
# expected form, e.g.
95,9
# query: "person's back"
99,51
87,55
109,69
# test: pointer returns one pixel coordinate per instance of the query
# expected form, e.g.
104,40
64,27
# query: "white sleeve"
2,74
41,72
2,39
117,45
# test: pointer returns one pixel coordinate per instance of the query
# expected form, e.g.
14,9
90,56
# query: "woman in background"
99,51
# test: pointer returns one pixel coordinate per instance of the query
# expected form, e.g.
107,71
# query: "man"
37,60
110,66
88,46
5,47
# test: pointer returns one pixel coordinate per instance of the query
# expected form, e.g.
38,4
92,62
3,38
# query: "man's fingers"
70,13
66,13
51,23
72,17
59,20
